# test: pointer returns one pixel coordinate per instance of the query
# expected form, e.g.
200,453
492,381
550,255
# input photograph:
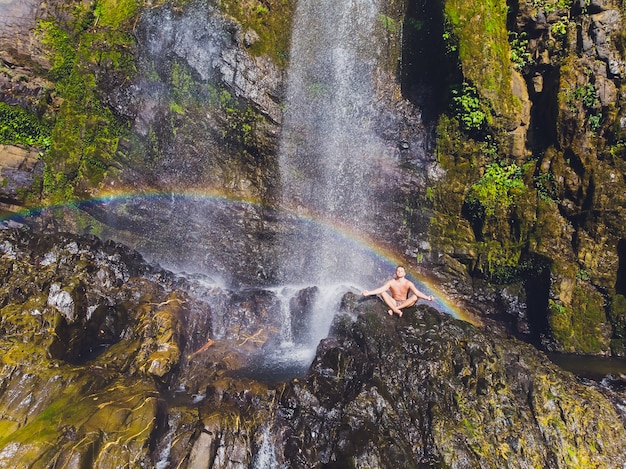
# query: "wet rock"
19,168
211,45
301,308
435,391
425,389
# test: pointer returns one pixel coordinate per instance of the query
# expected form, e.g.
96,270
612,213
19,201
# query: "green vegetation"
466,107
483,50
595,121
546,187
113,13
188,97
586,94
498,187
86,133
388,23
520,57
550,6
270,19
579,326
559,29
18,126
617,316
242,120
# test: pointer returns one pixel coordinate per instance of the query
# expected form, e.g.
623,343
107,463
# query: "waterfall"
265,458
329,152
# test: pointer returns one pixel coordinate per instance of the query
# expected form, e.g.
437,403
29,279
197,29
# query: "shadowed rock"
111,368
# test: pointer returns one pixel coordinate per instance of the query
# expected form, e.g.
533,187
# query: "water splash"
265,458
297,350
379,259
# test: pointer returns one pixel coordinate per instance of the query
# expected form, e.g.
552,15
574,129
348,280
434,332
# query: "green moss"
86,133
113,13
490,206
498,188
479,28
617,317
388,23
580,326
121,415
20,127
270,19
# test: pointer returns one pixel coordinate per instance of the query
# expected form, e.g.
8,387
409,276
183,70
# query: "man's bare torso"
399,289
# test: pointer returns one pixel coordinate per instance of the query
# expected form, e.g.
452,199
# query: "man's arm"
419,294
378,291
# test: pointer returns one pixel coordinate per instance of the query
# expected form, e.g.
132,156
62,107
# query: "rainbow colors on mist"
384,254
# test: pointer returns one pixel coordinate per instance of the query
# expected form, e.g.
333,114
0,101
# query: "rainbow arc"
381,253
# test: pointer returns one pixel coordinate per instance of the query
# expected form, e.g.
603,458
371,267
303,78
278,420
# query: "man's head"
400,271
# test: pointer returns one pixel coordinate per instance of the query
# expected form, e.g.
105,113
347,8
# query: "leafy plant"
466,107
595,121
388,23
582,274
544,182
519,50
559,29
550,6
497,187
18,126
450,41
588,95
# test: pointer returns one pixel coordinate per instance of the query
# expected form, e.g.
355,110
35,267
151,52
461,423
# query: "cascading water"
329,152
330,155
337,151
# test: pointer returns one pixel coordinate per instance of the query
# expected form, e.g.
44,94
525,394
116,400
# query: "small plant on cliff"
546,187
559,29
550,6
388,23
588,95
18,126
497,188
519,50
595,121
466,107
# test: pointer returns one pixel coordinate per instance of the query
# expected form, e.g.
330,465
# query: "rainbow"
383,254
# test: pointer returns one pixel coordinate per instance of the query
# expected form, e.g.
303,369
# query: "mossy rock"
579,322
106,428
617,316
484,52
266,25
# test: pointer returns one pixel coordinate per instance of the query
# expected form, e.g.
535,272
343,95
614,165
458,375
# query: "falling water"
265,458
329,152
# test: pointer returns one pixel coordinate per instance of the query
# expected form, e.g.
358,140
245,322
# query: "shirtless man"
399,287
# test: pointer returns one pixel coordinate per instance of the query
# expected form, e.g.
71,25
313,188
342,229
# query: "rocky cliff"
506,121
109,362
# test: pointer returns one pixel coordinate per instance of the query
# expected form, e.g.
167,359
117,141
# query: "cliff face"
516,203
539,183
108,362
